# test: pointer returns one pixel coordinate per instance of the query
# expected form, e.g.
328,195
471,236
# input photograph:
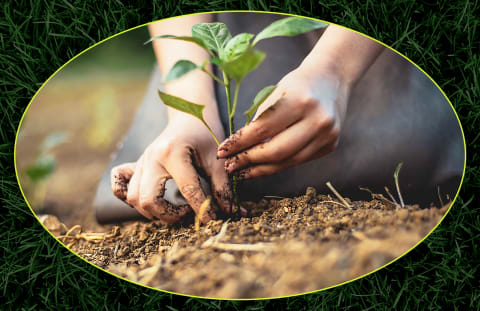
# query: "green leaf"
42,168
259,99
397,171
197,41
187,107
181,68
244,64
290,26
236,46
214,35
182,105
216,61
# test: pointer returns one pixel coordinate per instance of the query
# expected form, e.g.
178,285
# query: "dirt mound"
285,247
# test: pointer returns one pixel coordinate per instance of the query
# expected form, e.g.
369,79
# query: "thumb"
181,169
119,177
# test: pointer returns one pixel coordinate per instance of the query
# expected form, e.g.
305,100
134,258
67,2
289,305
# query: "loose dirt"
284,247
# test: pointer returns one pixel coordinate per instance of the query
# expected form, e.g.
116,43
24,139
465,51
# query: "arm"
303,116
346,53
168,52
185,145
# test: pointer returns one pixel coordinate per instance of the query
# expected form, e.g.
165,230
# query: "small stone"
403,214
52,224
227,257
311,194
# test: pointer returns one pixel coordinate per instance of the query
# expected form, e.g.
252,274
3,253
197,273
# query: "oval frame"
240,299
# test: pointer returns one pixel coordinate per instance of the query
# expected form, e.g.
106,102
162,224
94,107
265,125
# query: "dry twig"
395,176
390,195
214,242
333,202
379,196
243,247
329,185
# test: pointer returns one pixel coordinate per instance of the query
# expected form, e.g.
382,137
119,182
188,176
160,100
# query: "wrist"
326,69
343,54
184,122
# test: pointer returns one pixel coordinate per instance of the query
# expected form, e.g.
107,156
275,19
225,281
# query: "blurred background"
71,128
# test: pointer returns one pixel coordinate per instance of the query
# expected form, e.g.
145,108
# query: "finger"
220,186
119,177
272,121
221,189
133,193
309,153
181,168
152,189
279,148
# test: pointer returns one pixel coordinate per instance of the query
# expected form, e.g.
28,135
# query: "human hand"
300,121
182,151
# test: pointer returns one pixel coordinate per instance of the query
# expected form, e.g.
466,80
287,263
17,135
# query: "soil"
283,247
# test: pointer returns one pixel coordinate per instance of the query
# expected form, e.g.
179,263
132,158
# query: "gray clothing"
395,114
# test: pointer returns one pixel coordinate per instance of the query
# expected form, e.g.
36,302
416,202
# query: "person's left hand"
300,121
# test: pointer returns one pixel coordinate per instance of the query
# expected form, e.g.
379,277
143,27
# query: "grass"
36,37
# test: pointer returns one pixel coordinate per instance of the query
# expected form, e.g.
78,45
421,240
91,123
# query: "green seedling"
395,176
43,167
235,57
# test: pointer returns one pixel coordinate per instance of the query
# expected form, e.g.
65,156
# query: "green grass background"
37,37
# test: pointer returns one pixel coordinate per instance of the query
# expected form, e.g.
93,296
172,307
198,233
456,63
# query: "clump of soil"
285,247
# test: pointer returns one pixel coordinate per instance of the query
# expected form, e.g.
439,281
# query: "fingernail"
243,175
231,166
222,152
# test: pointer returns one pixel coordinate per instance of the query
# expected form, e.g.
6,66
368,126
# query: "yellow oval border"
238,299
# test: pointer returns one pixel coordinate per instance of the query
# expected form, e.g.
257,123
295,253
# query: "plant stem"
231,119
235,192
213,134
229,101
231,128
214,77
235,99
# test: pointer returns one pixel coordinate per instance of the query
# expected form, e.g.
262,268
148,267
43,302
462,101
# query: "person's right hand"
184,149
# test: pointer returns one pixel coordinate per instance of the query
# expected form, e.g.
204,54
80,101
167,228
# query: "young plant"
235,57
397,185
42,168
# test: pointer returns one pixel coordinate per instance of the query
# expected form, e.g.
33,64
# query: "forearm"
196,86
344,53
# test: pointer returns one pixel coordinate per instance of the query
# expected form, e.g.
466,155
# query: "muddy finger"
221,187
119,178
181,168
